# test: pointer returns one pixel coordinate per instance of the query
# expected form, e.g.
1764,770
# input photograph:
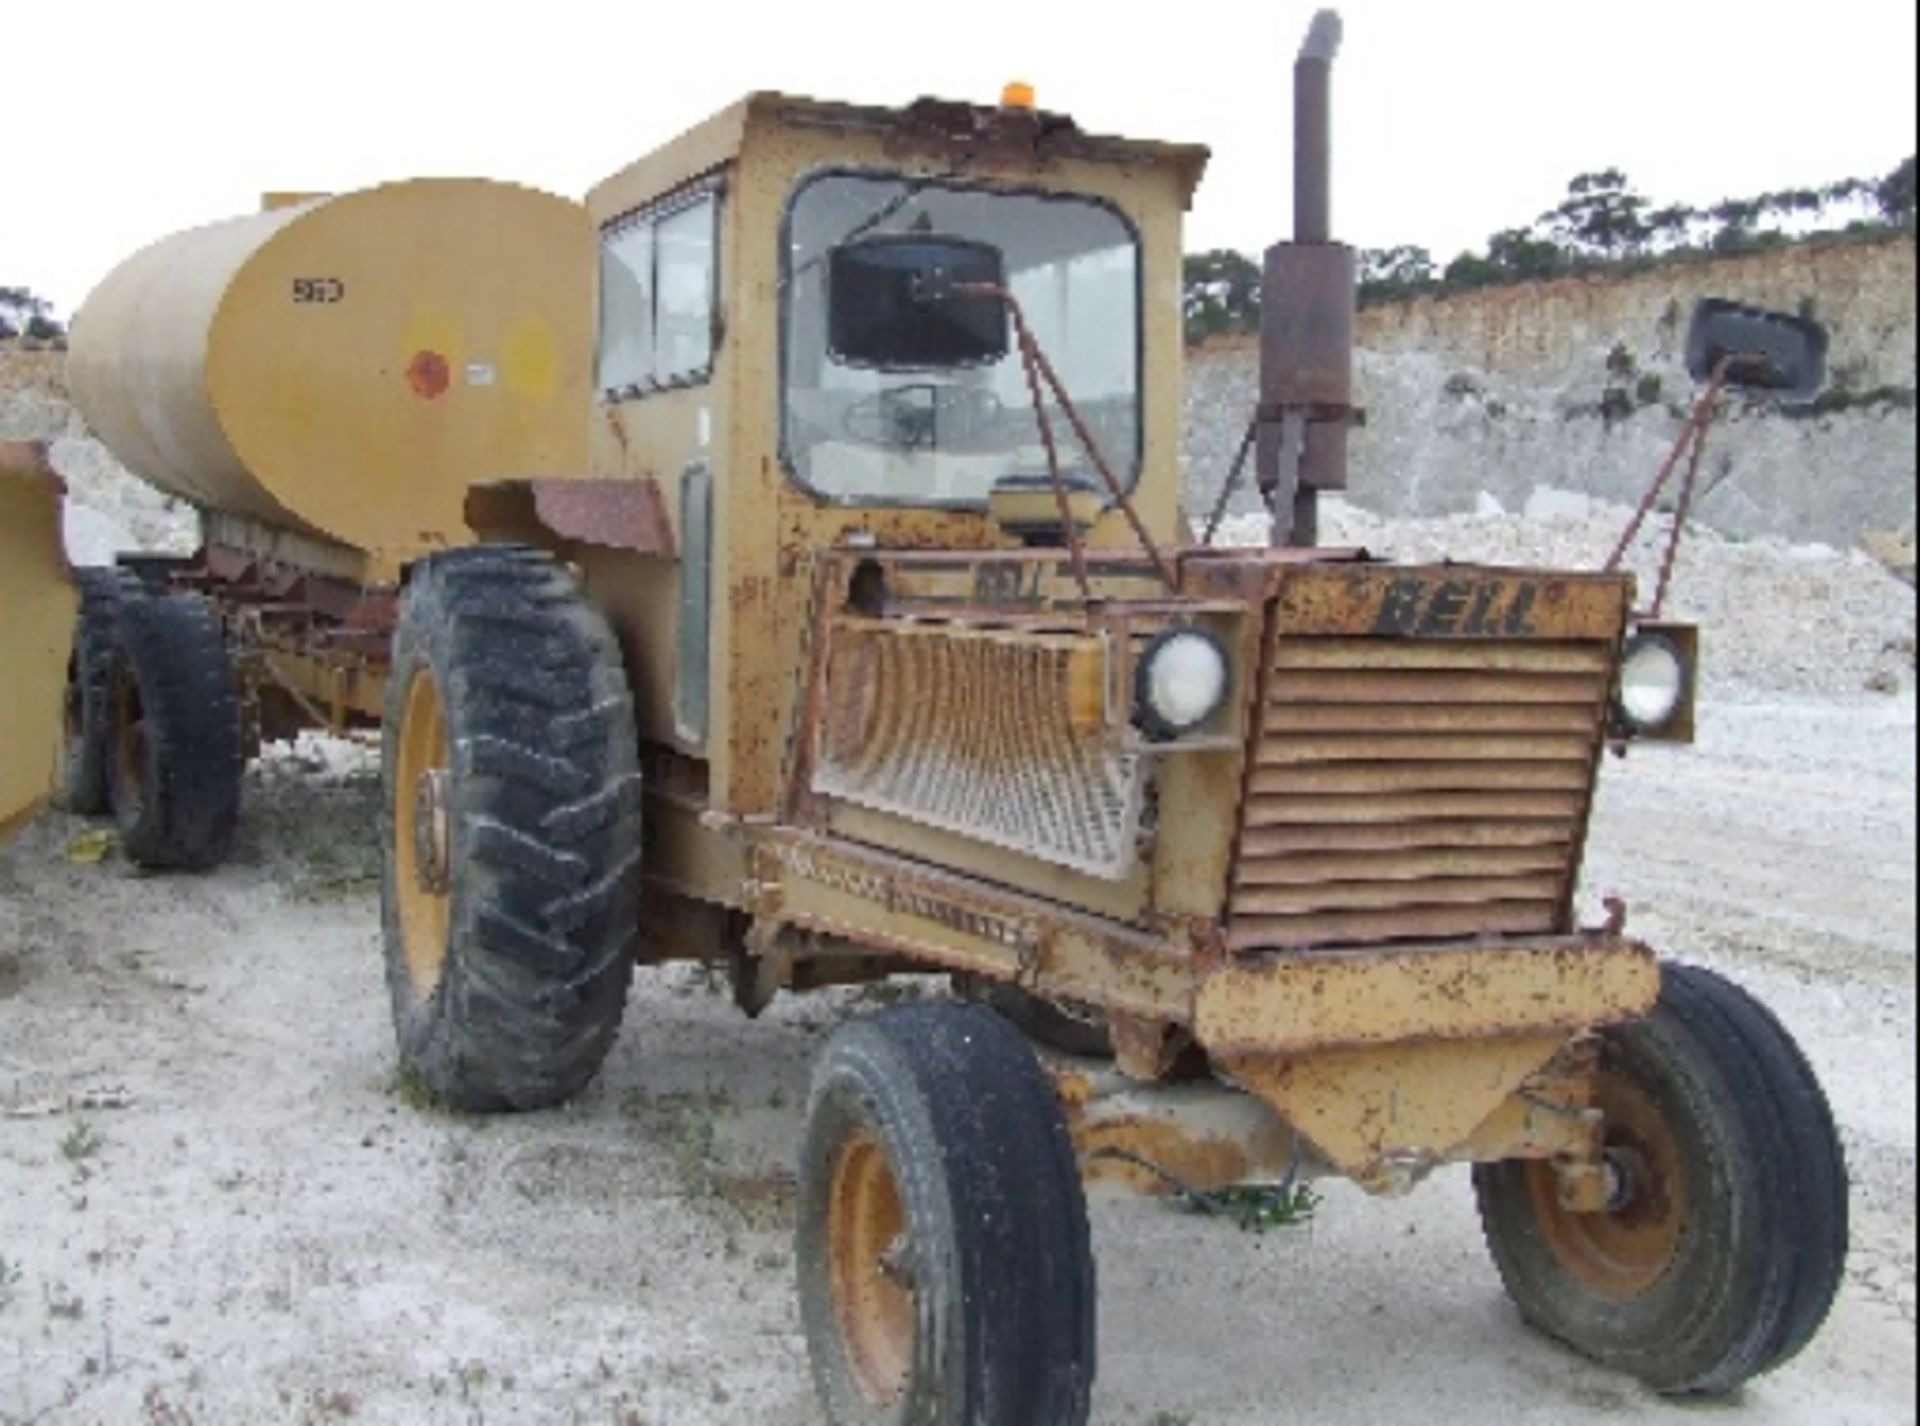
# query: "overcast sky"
126,121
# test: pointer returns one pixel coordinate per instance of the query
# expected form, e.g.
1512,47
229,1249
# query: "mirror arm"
1037,360
1693,438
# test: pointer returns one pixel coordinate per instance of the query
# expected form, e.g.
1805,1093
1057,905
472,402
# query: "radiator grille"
1413,789
998,737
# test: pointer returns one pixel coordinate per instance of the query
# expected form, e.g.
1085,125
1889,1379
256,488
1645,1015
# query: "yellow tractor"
823,603
37,604
872,641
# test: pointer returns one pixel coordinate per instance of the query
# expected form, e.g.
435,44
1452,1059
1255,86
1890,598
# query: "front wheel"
511,832
1725,1243
946,1270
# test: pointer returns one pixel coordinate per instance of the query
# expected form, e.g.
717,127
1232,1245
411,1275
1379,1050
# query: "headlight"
1183,682
1653,683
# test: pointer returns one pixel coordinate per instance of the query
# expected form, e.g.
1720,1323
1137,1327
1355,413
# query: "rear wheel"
91,674
1726,1239
175,763
946,1270
512,832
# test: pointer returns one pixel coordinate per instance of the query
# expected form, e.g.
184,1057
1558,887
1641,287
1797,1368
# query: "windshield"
891,437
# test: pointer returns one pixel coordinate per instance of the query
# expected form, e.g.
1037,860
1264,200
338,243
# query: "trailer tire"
1728,1241
511,832
85,788
945,1264
177,761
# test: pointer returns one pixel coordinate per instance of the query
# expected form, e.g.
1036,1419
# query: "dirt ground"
219,1205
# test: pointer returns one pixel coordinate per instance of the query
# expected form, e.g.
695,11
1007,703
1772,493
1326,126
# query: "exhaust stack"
1308,302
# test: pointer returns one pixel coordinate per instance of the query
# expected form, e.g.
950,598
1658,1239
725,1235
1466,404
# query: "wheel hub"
1627,1247
433,831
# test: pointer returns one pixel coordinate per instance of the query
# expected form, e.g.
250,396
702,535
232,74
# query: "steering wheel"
924,415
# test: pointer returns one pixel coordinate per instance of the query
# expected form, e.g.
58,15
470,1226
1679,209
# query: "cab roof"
959,134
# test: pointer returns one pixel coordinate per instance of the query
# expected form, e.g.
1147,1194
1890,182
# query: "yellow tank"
343,368
37,609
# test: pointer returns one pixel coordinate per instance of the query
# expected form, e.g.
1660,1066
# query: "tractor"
872,641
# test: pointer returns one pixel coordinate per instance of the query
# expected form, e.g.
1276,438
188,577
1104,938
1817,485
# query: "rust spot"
613,514
429,375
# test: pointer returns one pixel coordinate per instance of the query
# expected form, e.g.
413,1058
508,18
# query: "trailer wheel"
511,832
176,761
946,1271
1725,1245
90,689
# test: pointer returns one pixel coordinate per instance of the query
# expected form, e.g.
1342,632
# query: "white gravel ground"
215,1206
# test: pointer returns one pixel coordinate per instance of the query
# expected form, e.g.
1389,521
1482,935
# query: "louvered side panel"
1417,789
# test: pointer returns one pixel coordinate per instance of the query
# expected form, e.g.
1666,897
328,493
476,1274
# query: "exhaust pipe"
1308,309
1313,129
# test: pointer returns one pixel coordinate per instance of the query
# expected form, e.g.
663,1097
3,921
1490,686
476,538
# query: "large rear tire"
511,832
946,1270
91,672
1726,1243
177,761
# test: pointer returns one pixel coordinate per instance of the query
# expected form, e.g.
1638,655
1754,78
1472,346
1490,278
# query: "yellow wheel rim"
423,834
869,1273
1628,1250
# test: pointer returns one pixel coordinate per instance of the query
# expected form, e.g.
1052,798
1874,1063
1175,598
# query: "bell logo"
1435,608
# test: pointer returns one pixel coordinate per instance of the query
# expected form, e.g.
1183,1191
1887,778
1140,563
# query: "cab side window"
659,275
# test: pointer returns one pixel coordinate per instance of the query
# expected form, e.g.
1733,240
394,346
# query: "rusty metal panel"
1318,1002
1456,775
1379,686
1321,868
1358,927
829,887
614,514
1306,899
1388,809
999,737
1269,844
1403,656
1293,748
1454,603
1427,751
1388,1117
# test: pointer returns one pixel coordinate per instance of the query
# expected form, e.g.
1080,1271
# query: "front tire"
511,832
946,1270
1727,1240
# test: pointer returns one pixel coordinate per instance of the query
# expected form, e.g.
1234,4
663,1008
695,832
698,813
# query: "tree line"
1604,223
25,314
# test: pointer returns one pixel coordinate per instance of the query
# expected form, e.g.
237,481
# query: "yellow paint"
530,361
1387,1117
260,368
37,609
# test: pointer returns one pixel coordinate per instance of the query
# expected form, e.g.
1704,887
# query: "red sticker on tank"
429,375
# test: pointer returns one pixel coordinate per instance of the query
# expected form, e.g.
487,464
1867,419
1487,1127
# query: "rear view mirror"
1770,351
893,303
